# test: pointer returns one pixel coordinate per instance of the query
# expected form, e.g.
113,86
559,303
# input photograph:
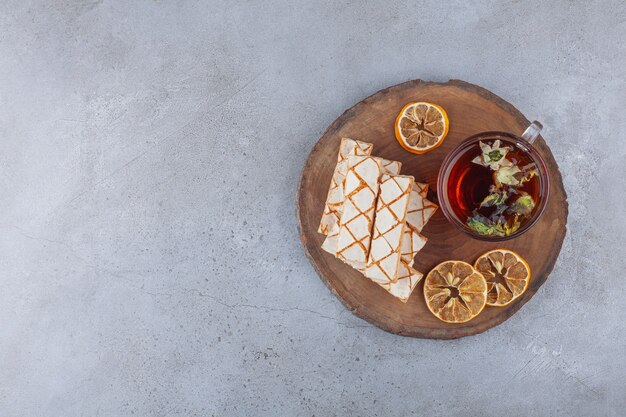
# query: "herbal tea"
494,188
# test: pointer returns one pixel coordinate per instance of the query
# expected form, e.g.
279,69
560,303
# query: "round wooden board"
471,109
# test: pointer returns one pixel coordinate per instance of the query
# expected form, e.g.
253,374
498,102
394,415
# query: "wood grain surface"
471,110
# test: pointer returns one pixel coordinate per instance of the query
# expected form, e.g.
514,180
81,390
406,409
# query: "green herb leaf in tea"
498,229
508,230
528,172
495,198
507,176
480,225
499,211
523,206
483,226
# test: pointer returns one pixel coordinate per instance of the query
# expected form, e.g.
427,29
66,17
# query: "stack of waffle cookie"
373,218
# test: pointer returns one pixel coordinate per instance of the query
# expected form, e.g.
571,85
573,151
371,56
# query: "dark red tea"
486,205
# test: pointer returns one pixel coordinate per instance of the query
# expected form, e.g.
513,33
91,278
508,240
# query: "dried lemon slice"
507,276
421,127
455,292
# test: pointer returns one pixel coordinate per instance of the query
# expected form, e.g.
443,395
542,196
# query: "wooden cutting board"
471,109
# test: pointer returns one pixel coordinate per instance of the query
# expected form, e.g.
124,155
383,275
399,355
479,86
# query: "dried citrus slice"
507,275
455,292
421,127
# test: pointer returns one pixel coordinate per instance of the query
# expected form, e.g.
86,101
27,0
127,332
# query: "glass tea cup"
462,184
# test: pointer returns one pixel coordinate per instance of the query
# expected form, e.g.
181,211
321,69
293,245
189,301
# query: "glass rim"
446,167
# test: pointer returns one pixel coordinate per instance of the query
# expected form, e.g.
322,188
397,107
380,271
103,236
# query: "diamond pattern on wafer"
355,226
330,243
390,167
391,209
408,278
412,242
335,197
420,211
422,188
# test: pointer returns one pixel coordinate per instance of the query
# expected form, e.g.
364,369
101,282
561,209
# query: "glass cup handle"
532,132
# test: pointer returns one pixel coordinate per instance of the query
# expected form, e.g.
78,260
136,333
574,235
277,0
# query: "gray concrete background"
150,263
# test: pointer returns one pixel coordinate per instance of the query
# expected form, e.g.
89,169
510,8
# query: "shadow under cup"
445,182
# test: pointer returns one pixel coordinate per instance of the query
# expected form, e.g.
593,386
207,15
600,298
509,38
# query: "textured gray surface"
149,159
